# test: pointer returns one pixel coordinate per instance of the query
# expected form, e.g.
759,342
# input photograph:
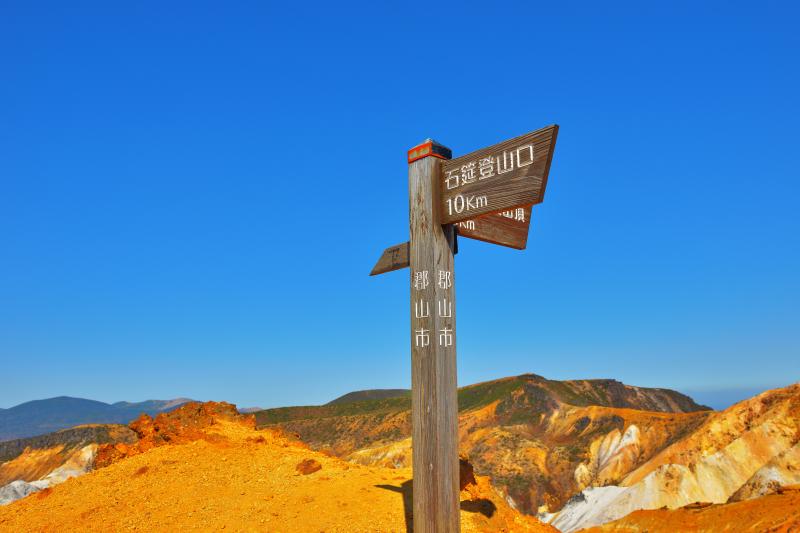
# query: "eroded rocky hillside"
36,463
530,435
744,452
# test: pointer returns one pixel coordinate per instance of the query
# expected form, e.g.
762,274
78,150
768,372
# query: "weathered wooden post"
487,195
434,404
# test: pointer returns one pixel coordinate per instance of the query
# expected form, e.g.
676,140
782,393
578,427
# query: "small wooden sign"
393,258
506,228
507,175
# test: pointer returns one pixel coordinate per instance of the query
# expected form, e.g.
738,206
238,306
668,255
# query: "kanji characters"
446,337
485,168
524,155
490,166
445,279
422,309
468,173
445,308
506,164
421,280
422,337
452,180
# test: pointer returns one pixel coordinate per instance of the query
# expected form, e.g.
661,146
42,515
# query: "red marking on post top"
427,148
420,151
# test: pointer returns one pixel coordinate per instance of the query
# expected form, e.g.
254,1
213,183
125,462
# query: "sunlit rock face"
746,451
35,463
782,471
76,464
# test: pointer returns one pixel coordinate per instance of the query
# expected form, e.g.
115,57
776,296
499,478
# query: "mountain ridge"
40,417
505,426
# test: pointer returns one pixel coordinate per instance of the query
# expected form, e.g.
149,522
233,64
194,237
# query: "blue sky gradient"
193,194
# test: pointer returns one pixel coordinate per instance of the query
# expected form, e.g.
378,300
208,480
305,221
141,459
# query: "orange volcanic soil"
776,513
223,474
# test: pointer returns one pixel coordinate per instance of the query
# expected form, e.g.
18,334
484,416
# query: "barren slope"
777,513
221,473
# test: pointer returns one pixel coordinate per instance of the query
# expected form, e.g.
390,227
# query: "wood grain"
393,258
496,228
520,186
434,407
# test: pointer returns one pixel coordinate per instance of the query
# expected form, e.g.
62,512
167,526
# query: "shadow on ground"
486,507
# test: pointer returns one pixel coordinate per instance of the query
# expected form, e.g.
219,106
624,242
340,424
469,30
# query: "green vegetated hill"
601,392
527,432
371,394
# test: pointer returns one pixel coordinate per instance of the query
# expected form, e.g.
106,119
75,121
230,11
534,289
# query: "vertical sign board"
504,176
434,401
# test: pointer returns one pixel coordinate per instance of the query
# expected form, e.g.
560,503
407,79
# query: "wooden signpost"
485,195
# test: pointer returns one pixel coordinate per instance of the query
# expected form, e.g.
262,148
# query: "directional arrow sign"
504,176
393,258
506,228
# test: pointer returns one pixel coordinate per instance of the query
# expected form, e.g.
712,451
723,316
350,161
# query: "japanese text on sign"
489,167
422,309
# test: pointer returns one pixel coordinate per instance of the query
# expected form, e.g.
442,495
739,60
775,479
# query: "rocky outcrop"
187,423
77,464
36,463
610,457
392,455
68,438
738,453
781,471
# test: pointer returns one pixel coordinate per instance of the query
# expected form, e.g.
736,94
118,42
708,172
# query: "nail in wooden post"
434,404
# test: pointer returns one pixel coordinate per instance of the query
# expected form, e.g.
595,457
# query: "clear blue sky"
192,195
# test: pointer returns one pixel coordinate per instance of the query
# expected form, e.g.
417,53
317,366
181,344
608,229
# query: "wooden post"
434,406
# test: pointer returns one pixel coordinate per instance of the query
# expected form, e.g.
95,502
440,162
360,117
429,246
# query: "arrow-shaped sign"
505,176
393,258
507,228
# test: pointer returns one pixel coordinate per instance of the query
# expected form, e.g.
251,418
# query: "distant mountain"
248,410
370,394
44,416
